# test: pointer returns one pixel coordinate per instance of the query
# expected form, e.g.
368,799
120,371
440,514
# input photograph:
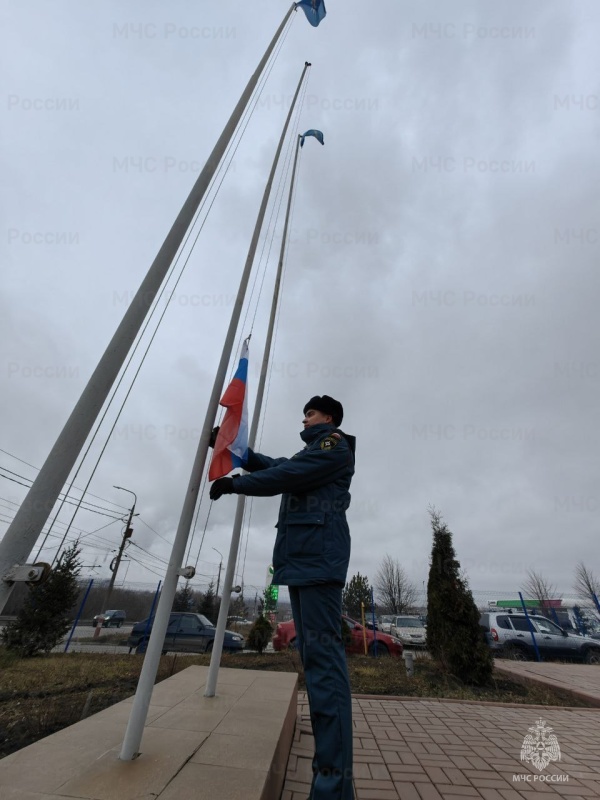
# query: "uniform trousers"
317,611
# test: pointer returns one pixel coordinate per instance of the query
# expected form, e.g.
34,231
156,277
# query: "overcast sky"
441,281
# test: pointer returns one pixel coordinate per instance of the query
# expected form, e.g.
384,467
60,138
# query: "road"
87,632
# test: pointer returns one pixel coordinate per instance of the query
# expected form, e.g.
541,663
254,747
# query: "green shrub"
44,618
259,634
454,637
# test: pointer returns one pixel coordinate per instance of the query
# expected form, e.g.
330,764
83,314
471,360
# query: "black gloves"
213,436
220,487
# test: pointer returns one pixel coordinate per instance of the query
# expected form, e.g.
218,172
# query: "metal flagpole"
215,659
141,702
20,538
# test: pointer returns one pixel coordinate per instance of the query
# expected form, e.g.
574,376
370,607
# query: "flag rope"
277,204
271,363
233,145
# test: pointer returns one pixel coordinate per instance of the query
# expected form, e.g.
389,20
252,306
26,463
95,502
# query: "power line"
64,499
75,487
144,566
152,555
78,530
160,536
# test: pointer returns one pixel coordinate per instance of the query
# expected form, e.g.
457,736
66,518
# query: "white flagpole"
215,659
141,702
20,538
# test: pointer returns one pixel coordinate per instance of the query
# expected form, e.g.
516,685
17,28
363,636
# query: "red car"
285,636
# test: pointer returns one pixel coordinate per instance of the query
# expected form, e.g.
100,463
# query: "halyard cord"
248,116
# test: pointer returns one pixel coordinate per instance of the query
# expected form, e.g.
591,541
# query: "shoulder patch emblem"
336,436
329,443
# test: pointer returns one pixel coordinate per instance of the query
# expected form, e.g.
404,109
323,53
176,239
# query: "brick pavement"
581,679
407,749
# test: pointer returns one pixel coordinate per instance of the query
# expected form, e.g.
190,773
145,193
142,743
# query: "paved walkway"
407,749
581,679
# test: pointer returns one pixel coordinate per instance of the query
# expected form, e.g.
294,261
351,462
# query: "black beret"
327,405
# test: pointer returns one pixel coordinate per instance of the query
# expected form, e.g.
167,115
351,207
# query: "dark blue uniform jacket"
313,540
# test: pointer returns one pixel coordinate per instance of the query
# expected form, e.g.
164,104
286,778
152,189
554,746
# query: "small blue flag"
317,134
314,10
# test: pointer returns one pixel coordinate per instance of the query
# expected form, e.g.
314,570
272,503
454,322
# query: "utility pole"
220,567
116,561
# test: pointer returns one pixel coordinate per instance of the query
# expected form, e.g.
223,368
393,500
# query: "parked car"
382,643
241,621
110,619
509,635
577,620
385,623
186,633
410,630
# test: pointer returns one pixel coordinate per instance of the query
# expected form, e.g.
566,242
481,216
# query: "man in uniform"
311,555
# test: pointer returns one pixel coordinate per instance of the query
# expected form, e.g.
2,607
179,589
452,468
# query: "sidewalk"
407,749
582,680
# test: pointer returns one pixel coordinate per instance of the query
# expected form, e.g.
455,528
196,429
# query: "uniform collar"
309,435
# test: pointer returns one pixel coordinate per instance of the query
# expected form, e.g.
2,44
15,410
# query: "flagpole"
141,702
215,659
22,534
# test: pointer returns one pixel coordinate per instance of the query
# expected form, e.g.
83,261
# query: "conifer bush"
44,618
454,638
356,592
259,634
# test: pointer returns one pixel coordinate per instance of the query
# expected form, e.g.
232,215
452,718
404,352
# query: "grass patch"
40,696
103,638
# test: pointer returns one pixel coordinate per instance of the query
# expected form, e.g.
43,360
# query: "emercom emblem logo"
540,746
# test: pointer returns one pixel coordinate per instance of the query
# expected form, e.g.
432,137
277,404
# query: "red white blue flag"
231,447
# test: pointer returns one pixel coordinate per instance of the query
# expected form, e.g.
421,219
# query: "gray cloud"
441,276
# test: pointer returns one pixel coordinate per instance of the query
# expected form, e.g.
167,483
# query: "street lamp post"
220,566
126,535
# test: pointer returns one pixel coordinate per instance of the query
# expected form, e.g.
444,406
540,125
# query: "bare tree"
394,591
586,583
539,588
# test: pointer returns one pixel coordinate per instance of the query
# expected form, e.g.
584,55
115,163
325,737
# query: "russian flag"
231,446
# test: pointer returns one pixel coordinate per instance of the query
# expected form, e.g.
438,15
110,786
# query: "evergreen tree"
184,598
43,620
259,634
454,637
357,591
208,605
238,607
